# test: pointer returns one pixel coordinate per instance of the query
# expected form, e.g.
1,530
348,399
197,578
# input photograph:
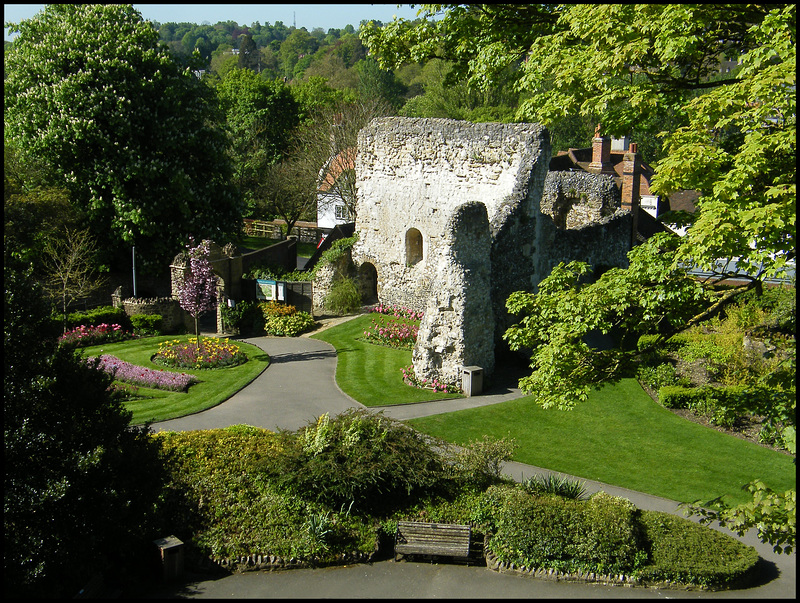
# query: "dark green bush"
600,535
359,458
104,314
685,552
146,324
722,405
343,297
245,316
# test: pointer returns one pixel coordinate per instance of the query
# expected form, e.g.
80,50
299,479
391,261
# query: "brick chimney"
601,154
630,186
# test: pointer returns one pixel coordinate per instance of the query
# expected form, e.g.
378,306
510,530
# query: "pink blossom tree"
197,289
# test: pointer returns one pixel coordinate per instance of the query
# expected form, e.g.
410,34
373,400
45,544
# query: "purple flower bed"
145,377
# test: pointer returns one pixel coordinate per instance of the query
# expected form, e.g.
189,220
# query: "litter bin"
171,551
472,380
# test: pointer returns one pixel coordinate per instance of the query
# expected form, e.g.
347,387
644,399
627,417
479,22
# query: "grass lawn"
620,436
372,373
215,386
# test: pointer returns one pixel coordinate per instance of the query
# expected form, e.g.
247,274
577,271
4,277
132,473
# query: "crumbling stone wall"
412,176
577,199
457,329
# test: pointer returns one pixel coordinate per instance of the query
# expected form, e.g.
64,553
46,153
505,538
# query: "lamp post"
133,253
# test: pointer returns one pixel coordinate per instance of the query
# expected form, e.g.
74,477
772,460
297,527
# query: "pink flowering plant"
197,289
410,378
211,353
397,311
392,333
88,335
142,376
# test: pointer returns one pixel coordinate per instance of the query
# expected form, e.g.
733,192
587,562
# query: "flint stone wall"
416,174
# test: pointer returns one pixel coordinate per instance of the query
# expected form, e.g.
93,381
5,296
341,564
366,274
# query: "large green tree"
260,117
136,138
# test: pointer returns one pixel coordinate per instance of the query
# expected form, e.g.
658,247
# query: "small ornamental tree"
197,289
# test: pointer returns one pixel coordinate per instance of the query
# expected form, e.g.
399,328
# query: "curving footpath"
297,387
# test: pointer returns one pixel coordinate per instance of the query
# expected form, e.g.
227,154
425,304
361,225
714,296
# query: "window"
341,213
413,246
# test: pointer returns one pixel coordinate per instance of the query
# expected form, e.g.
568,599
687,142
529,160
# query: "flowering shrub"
145,377
285,320
393,333
410,378
84,335
211,353
397,311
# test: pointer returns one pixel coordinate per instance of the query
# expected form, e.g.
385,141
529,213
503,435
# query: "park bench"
435,539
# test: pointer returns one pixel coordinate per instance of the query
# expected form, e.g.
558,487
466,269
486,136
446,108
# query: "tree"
197,288
69,262
249,57
260,117
324,146
290,190
136,139
80,486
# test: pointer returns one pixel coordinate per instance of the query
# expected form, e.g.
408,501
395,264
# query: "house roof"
345,160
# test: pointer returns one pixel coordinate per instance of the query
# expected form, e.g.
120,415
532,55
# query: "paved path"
295,389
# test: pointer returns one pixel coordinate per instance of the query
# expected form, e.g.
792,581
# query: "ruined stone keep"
450,221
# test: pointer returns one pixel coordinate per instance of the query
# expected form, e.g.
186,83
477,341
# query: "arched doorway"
413,246
368,283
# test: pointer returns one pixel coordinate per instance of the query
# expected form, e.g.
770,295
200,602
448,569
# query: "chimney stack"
630,186
601,154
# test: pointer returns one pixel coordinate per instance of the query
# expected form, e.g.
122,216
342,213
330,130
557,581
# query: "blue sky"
326,16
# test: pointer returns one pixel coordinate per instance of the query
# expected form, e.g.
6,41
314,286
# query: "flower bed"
88,335
393,333
397,311
142,376
212,353
410,378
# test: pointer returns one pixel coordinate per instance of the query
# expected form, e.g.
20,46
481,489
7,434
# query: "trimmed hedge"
104,314
146,324
687,553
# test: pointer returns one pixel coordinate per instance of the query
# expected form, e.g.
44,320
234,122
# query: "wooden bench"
437,539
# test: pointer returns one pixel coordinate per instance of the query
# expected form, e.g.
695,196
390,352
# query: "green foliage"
656,377
551,483
682,551
137,140
94,481
339,249
343,297
359,458
96,316
285,320
480,462
146,325
246,317
651,295
601,535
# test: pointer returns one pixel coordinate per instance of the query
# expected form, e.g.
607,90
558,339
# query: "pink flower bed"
86,335
144,377
392,333
397,311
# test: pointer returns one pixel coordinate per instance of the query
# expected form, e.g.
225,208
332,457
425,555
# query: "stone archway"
368,283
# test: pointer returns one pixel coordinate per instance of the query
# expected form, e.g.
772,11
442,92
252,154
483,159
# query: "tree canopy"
135,138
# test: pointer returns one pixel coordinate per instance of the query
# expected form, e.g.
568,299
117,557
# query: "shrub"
555,484
359,458
343,297
285,320
97,316
600,535
146,324
246,317
722,405
480,462
685,552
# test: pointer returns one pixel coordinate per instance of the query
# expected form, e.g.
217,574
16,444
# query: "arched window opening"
413,246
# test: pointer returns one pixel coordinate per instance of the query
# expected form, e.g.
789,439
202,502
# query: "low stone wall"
173,318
